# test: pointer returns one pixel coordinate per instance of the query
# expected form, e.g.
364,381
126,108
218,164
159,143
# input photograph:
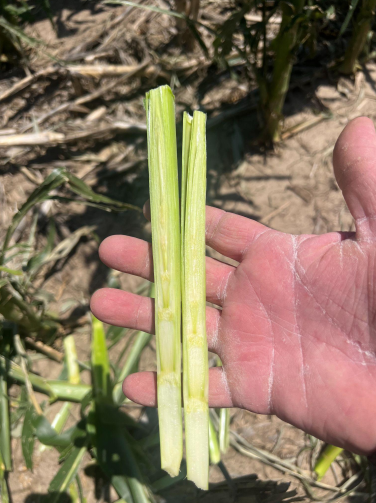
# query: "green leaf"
4,493
117,460
113,416
54,180
141,341
121,486
197,36
80,188
65,476
103,207
62,250
27,438
349,15
43,192
13,272
49,436
37,260
19,34
167,481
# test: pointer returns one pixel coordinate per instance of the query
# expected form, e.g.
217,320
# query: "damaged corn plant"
179,270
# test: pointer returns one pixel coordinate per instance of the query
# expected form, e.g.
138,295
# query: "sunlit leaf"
53,180
65,476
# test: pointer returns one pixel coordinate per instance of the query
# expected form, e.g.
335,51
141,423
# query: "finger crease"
146,268
252,241
222,291
139,309
215,230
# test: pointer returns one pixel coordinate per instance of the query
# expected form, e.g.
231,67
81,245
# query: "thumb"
354,161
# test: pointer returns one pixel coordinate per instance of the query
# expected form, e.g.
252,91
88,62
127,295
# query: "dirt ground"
291,188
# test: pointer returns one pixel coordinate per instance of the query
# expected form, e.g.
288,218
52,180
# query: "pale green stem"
164,203
326,458
72,360
214,451
195,349
224,424
224,429
56,390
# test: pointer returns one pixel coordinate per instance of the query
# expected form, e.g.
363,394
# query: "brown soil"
291,189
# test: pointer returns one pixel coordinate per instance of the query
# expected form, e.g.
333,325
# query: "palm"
295,337
295,331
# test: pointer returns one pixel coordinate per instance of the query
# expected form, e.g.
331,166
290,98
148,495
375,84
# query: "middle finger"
125,309
134,256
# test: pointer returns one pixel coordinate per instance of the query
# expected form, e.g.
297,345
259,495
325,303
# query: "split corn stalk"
164,202
195,350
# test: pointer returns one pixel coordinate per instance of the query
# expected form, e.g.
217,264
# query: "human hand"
296,332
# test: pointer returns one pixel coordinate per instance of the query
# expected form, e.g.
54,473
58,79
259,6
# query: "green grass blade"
195,349
5,445
79,187
141,341
66,474
164,202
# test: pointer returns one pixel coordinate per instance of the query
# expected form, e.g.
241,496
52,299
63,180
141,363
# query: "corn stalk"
362,27
195,349
164,202
273,92
326,458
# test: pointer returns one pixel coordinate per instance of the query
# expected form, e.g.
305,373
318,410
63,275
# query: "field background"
289,187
